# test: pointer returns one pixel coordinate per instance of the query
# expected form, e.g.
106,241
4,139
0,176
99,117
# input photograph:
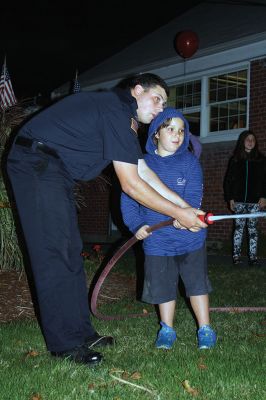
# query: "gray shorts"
162,274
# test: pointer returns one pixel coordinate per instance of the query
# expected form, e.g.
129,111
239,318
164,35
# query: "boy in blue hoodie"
171,252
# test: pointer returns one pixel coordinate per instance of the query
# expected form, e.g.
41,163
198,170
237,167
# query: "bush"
10,253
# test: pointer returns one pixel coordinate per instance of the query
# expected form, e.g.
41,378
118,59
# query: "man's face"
150,102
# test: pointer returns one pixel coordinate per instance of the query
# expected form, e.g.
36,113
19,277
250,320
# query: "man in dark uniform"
75,139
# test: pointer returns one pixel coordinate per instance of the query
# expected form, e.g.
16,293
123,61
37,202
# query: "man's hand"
187,218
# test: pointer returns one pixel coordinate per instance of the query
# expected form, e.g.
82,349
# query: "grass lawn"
133,368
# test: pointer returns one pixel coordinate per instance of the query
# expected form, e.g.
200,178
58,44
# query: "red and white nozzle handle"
206,218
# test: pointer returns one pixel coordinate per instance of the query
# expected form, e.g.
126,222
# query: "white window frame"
204,108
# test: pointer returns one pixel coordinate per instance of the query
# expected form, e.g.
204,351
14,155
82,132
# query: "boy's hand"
142,232
177,225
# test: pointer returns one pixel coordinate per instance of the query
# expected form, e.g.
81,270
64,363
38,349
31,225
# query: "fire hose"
209,219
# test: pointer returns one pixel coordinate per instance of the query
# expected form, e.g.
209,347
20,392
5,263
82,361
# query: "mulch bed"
16,302
15,297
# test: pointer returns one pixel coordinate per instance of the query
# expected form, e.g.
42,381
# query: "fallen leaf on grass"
115,370
136,375
189,389
36,396
94,386
202,366
91,386
32,353
201,363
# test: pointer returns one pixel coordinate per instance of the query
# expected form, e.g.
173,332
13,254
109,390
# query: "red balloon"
186,43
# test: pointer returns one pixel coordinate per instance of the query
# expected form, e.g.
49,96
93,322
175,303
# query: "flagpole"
4,69
76,84
7,95
5,66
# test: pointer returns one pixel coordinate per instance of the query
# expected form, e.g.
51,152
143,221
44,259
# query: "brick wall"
257,118
258,110
214,161
93,212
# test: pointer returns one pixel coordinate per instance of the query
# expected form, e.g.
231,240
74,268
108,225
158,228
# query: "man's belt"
27,142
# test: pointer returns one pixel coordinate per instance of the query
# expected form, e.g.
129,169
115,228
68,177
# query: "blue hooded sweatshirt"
182,173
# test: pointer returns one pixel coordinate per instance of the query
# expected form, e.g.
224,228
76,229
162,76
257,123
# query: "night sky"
45,43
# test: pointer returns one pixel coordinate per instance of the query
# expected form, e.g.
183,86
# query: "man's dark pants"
44,197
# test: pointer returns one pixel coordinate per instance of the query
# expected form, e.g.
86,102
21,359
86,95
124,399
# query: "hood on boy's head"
168,112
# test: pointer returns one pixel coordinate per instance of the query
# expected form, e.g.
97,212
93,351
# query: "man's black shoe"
97,340
80,354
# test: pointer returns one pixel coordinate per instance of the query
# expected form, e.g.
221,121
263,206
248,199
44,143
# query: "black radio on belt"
27,142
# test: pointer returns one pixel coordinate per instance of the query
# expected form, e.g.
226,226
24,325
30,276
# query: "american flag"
7,96
76,84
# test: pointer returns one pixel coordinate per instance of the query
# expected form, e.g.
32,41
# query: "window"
220,101
187,98
228,101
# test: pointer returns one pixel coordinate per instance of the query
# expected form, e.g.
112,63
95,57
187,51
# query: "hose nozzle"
206,218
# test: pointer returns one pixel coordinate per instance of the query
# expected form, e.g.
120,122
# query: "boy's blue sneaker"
206,337
166,337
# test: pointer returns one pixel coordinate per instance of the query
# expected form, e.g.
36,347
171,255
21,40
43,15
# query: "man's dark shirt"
88,130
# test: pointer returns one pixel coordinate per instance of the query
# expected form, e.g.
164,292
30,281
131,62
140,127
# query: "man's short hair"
146,80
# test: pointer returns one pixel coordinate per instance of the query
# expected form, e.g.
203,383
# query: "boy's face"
150,102
170,138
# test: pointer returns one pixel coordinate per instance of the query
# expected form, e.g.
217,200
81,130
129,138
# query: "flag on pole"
76,85
7,96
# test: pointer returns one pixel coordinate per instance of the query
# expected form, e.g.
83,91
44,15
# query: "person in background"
172,253
245,192
194,145
74,140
